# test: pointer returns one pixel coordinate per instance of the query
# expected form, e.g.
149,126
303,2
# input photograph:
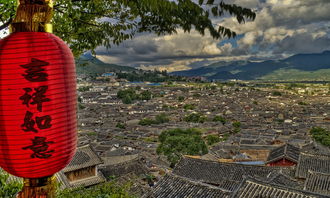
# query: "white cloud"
281,28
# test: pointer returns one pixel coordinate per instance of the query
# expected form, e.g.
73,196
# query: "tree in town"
85,25
321,135
8,188
177,142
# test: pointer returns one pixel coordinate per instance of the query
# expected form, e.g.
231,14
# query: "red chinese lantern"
37,104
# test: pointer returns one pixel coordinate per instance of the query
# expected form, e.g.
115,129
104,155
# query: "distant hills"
88,64
296,67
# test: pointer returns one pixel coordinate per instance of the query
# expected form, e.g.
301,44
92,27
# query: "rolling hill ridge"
296,67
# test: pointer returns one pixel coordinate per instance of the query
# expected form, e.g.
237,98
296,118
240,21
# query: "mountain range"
297,67
88,64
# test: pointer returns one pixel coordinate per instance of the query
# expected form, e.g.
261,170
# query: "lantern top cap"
39,2
33,16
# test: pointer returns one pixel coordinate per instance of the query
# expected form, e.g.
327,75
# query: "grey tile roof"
280,179
286,151
318,183
224,175
318,163
257,189
172,186
284,180
132,166
84,157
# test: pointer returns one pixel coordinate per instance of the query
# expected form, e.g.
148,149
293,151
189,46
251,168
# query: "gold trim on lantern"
32,17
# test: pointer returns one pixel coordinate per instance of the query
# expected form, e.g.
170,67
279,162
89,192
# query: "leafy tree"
212,139
80,106
321,135
146,95
106,190
120,125
85,25
146,122
127,100
177,142
236,124
302,103
189,107
83,89
127,92
219,119
277,93
8,188
181,98
162,118
195,117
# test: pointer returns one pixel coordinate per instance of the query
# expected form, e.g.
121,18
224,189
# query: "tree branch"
6,24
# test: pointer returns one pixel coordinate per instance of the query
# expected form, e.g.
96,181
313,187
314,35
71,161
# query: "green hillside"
294,74
88,64
297,67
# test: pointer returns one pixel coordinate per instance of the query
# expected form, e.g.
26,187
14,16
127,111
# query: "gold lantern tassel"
33,16
38,188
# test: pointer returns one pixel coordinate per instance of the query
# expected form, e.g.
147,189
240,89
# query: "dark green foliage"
83,89
146,95
130,94
8,189
181,98
302,103
212,139
321,135
161,118
150,76
225,137
197,95
120,125
237,126
81,106
127,92
78,22
106,190
189,107
277,93
195,117
127,100
177,142
146,122
219,119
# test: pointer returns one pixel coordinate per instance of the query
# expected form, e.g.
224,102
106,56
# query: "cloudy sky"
281,28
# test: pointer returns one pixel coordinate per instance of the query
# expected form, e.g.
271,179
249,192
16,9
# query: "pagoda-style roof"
317,163
286,151
84,157
318,182
254,189
133,165
224,175
173,186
